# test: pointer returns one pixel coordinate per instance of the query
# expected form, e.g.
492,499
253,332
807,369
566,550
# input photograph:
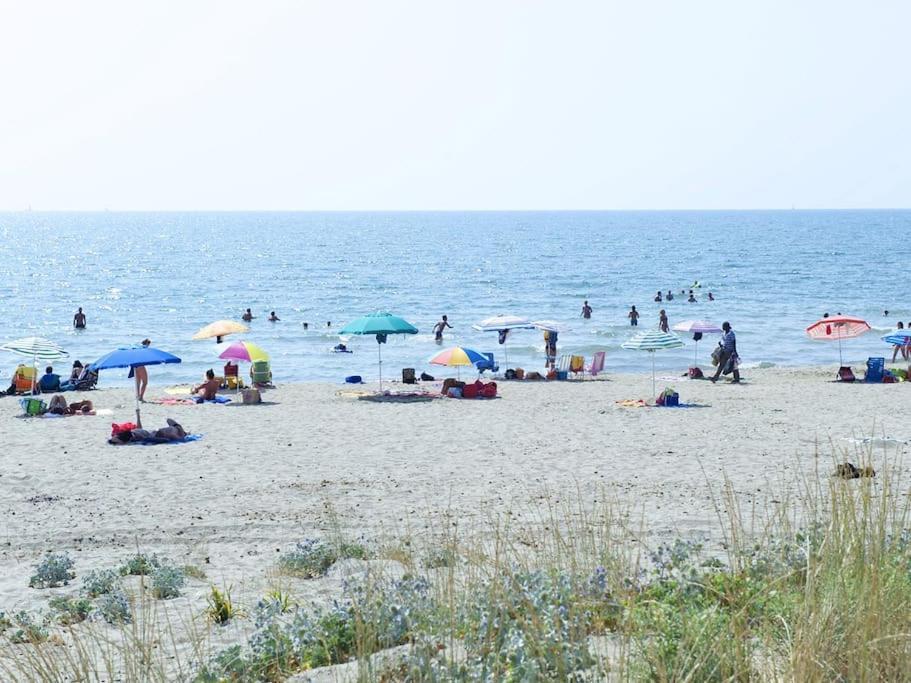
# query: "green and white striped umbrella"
651,341
37,348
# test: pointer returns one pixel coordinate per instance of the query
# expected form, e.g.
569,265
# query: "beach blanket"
189,401
633,403
389,397
156,442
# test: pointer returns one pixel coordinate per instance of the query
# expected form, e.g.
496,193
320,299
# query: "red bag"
125,427
470,391
695,373
489,390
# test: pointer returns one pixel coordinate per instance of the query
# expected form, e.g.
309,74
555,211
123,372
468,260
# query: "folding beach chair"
577,365
489,364
875,369
597,364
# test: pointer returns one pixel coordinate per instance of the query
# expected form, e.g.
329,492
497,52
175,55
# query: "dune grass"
815,588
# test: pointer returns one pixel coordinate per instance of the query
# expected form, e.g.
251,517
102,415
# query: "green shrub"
71,611
167,582
56,569
99,582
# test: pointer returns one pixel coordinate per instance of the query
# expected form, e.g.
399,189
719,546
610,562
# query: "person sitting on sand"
247,316
208,389
273,318
76,371
50,381
173,432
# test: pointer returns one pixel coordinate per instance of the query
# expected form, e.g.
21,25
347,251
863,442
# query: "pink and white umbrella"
836,328
694,326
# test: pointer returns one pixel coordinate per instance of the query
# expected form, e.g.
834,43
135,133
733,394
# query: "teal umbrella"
379,324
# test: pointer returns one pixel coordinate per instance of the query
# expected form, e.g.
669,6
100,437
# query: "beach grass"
813,588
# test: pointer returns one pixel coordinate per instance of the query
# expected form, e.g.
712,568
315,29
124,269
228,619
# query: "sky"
424,105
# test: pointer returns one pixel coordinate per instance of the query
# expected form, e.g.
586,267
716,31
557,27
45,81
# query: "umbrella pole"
841,361
379,355
653,373
695,353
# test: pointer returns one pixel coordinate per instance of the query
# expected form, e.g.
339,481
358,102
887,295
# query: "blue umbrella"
134,357
379,324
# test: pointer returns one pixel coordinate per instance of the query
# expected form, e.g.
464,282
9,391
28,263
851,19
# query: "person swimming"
658,297
273,318
670,295
341,348
711,297
692,298
247,316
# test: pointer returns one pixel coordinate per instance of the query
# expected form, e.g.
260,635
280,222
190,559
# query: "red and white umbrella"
836,328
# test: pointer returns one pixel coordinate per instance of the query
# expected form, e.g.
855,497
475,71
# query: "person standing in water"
79,319
141,375
658,297
247,316
438,329
273,318
662,321
586,310
633,316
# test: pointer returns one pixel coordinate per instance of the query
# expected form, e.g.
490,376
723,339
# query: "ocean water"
164,275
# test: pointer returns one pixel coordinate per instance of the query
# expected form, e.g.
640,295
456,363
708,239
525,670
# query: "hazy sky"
454,105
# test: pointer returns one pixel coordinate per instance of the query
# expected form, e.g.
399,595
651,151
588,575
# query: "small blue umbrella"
898,338
134,357
379,324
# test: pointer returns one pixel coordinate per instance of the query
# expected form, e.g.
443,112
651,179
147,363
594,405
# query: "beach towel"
156,442
192,400
632,403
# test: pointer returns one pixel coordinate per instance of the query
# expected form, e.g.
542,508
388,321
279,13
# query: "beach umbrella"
694,326
550,326
898,338
651,341
245,351
134,357
381,324
221,328
502,324
457,357
836,328
36,348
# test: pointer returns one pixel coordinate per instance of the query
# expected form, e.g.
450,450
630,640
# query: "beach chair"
597,364
875,368
25,379
489,364
260,372
563,366
577,365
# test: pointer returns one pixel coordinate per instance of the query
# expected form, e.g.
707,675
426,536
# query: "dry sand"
311,460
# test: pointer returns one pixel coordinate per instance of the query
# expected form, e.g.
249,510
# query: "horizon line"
366,211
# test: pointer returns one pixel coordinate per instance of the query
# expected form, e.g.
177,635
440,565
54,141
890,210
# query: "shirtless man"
247,316
633,316
586,310
208,389
273,318
79,319
438,329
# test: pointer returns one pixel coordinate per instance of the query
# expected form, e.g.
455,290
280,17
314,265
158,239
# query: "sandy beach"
311,460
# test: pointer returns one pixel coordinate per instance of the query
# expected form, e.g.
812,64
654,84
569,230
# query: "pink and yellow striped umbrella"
244,351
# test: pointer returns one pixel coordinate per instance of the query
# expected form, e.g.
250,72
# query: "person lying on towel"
173,432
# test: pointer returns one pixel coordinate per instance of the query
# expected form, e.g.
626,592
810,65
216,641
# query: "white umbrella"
502,324
36,348
694,326
651,341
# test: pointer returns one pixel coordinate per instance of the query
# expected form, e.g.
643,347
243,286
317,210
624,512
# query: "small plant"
193,572
114,608
167,582
281,600
221,608
5,623
56,569
71,611
439,558
311,558
99,582
29,630
140,565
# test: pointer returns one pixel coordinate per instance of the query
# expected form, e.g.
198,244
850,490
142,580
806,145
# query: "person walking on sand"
633,316
438,329
79,319
141,375
586,310
728,355
662,321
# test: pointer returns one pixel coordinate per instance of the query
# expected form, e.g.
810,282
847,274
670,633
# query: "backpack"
695,373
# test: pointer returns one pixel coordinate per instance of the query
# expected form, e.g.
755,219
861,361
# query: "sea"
165,275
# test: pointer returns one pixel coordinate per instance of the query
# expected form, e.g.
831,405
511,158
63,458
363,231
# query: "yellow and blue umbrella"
457,357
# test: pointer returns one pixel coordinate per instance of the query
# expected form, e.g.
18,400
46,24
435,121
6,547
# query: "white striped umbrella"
651,341
36,348
503,324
